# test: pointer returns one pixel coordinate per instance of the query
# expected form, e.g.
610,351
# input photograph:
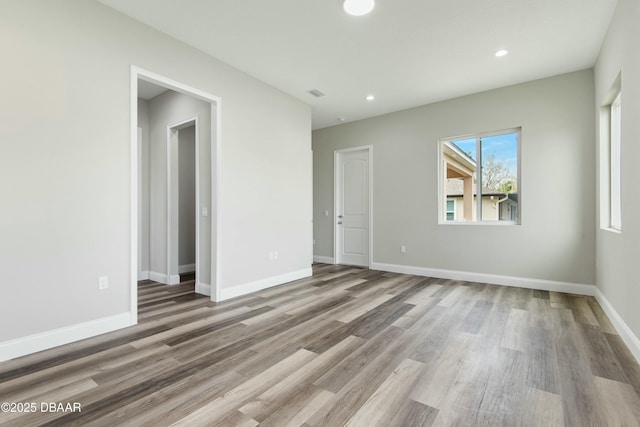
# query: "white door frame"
172,205
336,192
216,134
139,205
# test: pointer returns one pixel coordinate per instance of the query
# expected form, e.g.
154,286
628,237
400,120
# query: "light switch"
326,212
205,211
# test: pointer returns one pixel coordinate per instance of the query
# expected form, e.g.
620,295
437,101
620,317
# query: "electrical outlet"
403,248
103,283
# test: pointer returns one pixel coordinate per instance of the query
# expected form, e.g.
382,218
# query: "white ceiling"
406,52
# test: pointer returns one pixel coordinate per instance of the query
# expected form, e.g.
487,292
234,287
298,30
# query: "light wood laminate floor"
346,347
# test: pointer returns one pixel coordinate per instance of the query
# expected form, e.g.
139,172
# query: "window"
615,158
610,158
479,179
451,209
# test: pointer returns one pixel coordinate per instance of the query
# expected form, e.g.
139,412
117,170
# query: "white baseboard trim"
203,288
324,259
187,268
174,279
258,285
158,277
57,337
629,338
143,275
494,279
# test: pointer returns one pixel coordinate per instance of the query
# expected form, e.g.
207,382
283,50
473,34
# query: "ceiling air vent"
316,93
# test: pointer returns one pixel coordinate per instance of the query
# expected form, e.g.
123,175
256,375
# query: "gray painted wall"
187,196
556,239
166,110
65,164
617,253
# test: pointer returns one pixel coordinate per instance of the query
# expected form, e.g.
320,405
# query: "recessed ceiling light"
358,7
370,97
501,52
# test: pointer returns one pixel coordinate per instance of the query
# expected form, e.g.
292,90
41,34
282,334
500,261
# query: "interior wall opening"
174,208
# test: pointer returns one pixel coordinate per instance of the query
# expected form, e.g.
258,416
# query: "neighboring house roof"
460,154
455,188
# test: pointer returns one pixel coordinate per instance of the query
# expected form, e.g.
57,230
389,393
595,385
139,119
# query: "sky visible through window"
503,147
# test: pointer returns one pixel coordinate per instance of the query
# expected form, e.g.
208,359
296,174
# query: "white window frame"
615,159
610,158
442,197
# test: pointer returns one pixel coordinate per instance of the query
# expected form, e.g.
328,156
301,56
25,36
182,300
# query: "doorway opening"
182,200
175,167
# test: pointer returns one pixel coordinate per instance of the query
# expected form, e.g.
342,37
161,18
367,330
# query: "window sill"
611,230
482,223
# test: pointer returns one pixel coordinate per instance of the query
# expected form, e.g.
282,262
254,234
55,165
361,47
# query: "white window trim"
607,163
615,157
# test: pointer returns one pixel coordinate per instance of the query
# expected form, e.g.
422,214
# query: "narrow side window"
615,150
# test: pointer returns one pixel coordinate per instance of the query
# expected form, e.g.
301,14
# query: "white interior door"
352,207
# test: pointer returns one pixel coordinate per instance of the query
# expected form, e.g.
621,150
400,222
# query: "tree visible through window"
480,179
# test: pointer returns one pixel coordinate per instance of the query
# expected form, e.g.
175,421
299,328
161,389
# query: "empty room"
319,213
